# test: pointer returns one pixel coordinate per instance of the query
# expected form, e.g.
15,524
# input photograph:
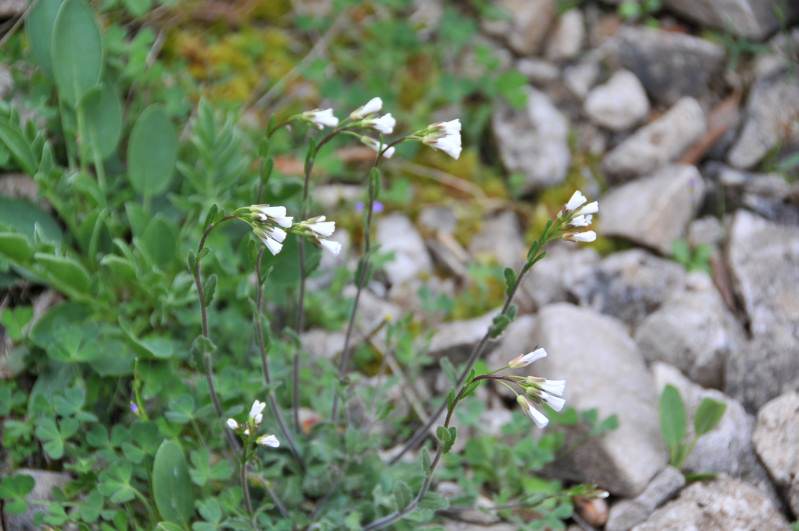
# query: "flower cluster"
575,214
320,118
318,229
253,423
444,136
268,225
536,390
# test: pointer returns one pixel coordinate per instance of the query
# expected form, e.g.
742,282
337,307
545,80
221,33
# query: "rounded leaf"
152,152
76,50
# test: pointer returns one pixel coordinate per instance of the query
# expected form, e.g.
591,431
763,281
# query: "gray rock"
604,370
692,331
743,18
455,340
771,110
501,238
526,25
552,278
728,447
322,343
618,104
723,504
659,142
706,230
539,72
581,77
438,218
776,439
762,258
670,65
6,80
629,285
396,233
655,210
567,37
12,8
533,141
663,487
767,194
42,491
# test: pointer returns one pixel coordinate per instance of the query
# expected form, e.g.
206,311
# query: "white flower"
385,124
583,220
256,410
555,387
374,144
321,118
523,360
232,424
372,106
587,236
277,234
555,402
576,200
529,409
332,246
273,245
271,214
322,227
590,208
268,440
445,136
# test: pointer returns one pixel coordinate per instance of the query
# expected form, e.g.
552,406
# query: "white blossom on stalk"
523,360
529,409
256,411
444,136
320,226
376,145
277,234
587,236
583,220
321,118
385,124
232,424
590,208
576,200
331,245
555,402
271,215
268,440
273,245
372,106
555,387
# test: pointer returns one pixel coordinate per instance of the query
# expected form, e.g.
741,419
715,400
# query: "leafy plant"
696,259
673,423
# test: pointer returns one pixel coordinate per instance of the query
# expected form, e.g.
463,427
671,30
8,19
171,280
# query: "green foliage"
674,422
172,489
696,259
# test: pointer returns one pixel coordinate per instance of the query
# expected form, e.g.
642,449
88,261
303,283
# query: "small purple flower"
377,207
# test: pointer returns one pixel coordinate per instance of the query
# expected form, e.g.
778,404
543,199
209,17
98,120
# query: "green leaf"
21,151
48,329
402,494
172,488
181,410
103,119
426,464
673,419
209,287
14,320
210,218
449,370
167,526
152,152
18,486
39,29
47,432
22,216
708,415
76,51
69,401
160,241
152,346
434,502
114,481
65,274
15,247
510,280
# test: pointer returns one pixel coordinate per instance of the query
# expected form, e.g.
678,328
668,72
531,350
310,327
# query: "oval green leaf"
172,487
160,241
673,417
152,152
65,274
76,51
103,119
39,27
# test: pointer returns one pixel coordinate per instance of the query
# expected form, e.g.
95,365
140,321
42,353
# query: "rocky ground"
689,143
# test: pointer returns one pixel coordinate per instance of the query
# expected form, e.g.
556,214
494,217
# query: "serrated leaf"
708,415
